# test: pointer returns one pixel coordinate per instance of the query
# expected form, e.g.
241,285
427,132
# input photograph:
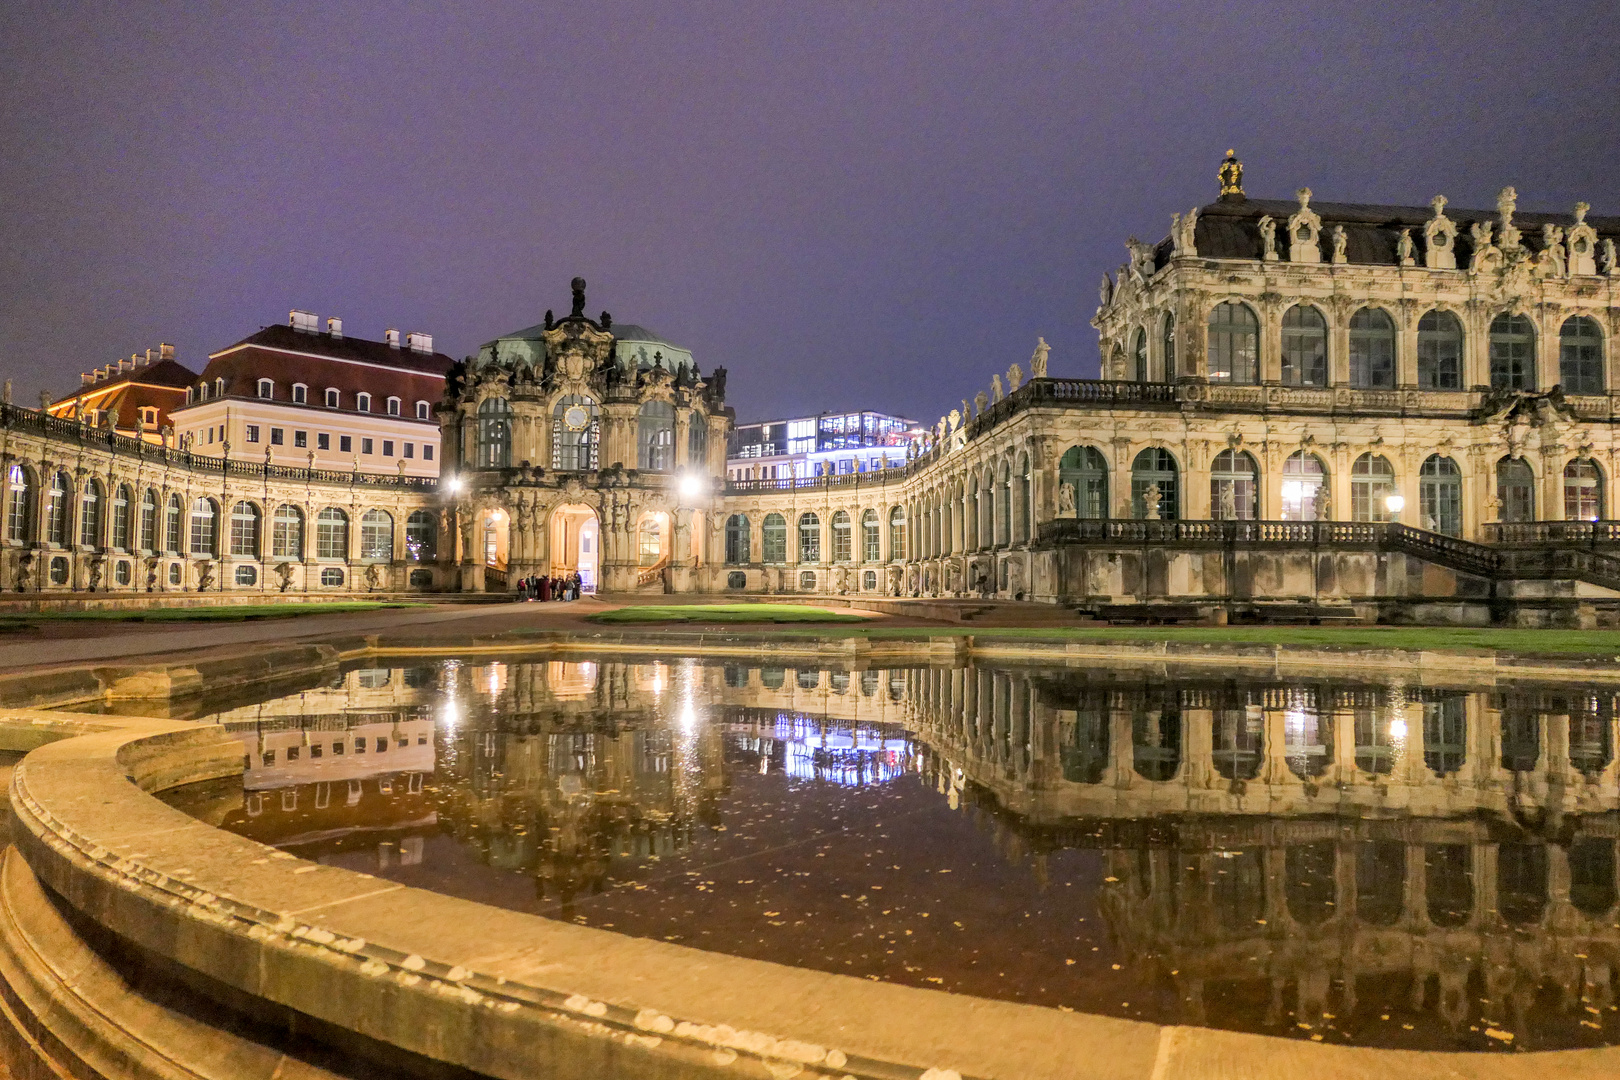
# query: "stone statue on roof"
578,285
1037,362
1268,238
1015,377
1231,177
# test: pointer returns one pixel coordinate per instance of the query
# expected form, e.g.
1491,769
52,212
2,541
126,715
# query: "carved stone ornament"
1015,378
1268,239
1340,242
1486,254
1186,242
1507,201
1404,248
1037,362
1551,262
981,402
1141,264
1105,291
1304,231
1439,238
1583,245
995,387
1608,264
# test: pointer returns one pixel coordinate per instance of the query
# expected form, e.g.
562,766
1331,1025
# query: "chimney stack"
86,378
392,337
305,322
165,351
420,342
334,326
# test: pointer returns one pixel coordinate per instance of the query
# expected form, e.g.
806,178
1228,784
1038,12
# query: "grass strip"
211,613
723,613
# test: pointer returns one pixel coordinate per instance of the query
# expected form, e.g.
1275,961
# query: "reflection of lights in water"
450,714
688,717
496,676
847,756
1397,729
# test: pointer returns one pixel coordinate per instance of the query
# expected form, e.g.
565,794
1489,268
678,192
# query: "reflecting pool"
1394,865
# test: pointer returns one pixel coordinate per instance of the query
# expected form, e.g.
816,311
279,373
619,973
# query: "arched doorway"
493,535
576,544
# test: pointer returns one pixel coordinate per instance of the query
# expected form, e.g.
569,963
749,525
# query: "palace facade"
1395,412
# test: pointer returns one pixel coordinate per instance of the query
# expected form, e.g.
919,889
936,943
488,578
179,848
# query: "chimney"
127,365
392,337
151,355
420,342
305,322
334,326
86,378
165,351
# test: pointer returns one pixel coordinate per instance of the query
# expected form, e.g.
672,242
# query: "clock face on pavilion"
576,417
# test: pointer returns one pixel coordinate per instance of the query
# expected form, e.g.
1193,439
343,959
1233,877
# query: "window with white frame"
393,406
331,398
267,388
219,387
423,410
300,393
362,402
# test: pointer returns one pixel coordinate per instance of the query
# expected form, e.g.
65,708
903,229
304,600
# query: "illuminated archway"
576,544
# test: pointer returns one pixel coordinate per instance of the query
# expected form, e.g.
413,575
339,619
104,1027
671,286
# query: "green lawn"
211,613
724,613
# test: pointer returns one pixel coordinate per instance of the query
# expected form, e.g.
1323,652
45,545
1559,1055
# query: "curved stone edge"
510,1028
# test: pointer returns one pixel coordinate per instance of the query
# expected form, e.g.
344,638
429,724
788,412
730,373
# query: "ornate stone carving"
1304,231
1340,242
995,387
1268,239
1486,254
1404,248
1015,377
1507,201
1037,362
1551,262
981,402
1184,232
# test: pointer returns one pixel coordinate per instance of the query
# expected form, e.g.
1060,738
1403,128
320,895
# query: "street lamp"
453,484
690,486
1394,504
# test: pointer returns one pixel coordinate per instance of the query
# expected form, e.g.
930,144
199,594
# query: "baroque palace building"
1369,411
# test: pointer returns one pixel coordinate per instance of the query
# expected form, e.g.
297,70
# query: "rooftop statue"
1231,177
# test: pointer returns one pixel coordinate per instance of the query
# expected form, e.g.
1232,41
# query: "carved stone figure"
953,421
1150,502
1506,202
1439,238
995,387
1065,506
25,563
1015,376
578,285
981,402
1404,248
284,572
1105,291
1552,262
1268,238
1607,265
1304,231
96,566
1228,502
205,575
1037,362
1188,243
1340,242
1485,252
151,573
373,577
1324,505
112,419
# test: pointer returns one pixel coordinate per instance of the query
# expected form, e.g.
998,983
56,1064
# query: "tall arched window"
56,510
1139,355
287,533
1440,495
1513,353
1440,350
651,550
1234,343
1580,356
421,536
1003,507
1516,487
204,528
1304,347
1234,483
90,507
245,530
1372,350
494,433
1023,510
773,540
970,514
122,508
19,504
1154,468
576,427
843,537
809,538
871,539
697,441
1169,347
737,539
1583,490
377,535
149,520
655,436
897,533
987,508
1372,482
331,534
1084,471
174,520
1303,478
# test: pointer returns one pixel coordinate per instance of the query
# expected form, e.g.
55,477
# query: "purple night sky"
847,205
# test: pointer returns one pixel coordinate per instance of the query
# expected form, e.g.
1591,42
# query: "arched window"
494,433
987,509
1234,483
576,429
1303,479
1372,482
1583,490
1020,500
1440,349
871,538
56,510
809,538
1516,487
737,539
421,536
1513,353
1139,355
655,436
377,535
287,533
1003,508
204,528
1580,356
651,550
1440,495
149,520
773,540
1304,347
331,534
1234,343
173,521
90,515
245,530
897,533
970,515
1083,470
1372,350
19,504
697,441
122,507
1169,347
843,537
1155,470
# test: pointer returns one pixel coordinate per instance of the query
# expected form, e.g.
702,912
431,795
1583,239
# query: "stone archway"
576,544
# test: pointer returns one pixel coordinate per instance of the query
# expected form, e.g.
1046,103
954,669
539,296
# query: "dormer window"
191,394
423,410
331,398
267,389
202,391
362,402
393,406
149,416
219,387
300,393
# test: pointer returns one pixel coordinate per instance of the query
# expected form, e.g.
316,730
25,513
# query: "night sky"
847,205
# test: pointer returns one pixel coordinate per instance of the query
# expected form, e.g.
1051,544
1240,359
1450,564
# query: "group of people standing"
535,587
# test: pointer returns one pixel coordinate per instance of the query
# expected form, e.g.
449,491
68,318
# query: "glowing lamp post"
1394,504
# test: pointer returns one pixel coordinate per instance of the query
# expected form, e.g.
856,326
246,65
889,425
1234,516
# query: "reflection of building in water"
1313,846
812,748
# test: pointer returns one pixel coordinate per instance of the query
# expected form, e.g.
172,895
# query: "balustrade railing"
1539,533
